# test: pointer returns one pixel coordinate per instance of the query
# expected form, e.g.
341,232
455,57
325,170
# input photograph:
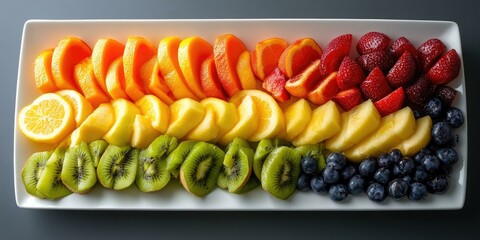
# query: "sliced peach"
244,71
170,70
154,83
85,80
191,53
105,51
301,84
43,72
227,50
298,55
209,79
325,90
265,56
68,53
137,52
115,80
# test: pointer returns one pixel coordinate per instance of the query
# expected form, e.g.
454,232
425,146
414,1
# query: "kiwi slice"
78,173
315,151
97,148
199,172
152,174
117,167
32,170
280,172
50,183
264,147
251,184
237,166
176,158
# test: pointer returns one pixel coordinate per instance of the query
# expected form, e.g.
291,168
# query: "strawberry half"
391,103
350,74
375,86
372,42
402,72
446,69
301,84
275,85
402,45
429,52
420,91
333,54
383,60
348,99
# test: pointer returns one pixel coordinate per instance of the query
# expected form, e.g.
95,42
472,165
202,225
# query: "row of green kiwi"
199,166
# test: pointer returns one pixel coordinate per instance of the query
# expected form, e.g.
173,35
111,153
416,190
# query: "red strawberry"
372,42
348,99
391,103
383,60
446,94
429,52
375,86
402,45
333,54
350,74
420,91
275,85
402,72
446,69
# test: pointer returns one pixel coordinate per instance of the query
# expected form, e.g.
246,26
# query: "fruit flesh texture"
115,80
120,134
227,49
265,56
32,170
117,167
154,82
185,115
225,114
297,116
247,123
85,80
156,111
43,72
78,171
244,71
209,79
419,139
81,107
143,132
298,55
95,126
105,51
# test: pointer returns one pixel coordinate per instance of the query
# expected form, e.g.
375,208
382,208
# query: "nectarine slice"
244,71
154,83
298,55
170,70
325,90
85,80
209,79
191,53
227,50
68,53
137,51
115,80
105,51
43,72
265,56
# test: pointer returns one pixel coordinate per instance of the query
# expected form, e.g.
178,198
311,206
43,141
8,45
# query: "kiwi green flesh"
97,148
162,146
78,173
50,183
265,146
315,151
280,172
233,178
178,156
199,172
251,184
237,143
31,171
118,167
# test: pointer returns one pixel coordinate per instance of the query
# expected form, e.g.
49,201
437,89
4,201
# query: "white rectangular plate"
42,34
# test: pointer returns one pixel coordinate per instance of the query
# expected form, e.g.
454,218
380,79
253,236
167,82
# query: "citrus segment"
265,56
81,107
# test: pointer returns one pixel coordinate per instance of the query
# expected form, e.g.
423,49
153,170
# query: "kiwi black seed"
177,156
31,171
117,167
199,172
237,166
316,151
152,174
281,171
97,148
50,183
264,147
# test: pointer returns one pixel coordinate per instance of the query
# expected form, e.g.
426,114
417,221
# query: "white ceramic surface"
42,34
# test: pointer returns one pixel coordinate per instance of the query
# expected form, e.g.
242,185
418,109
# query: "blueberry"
338,192
442,133
430,163
438,184
367,167
444,170
455,117
303,183
336,160
447,156
417,113
330,175
385,160
376,192
318,185
420,175
396,155
434,108
408,179
404,167
418,191
397,188
348,172
382,175
309,165
419,156
356,185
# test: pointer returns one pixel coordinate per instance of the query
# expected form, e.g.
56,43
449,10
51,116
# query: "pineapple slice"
185,114
122,130
419,139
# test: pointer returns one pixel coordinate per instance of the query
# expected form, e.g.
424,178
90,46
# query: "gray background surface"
18,223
